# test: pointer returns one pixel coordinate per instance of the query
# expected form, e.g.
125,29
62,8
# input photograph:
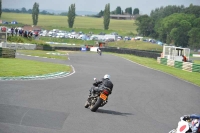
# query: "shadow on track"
112,112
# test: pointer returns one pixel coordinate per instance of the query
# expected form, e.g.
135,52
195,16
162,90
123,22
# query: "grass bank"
192,77
136,44
19,67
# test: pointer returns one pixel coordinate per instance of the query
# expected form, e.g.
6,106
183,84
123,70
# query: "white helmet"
106,76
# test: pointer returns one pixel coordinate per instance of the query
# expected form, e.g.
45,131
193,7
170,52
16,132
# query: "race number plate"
103,96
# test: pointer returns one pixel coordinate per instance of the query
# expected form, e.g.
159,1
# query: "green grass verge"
85,24
197,61
19,67
48,54
192,77
141,45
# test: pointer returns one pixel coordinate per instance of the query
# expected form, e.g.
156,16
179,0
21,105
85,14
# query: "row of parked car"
80,35
90,36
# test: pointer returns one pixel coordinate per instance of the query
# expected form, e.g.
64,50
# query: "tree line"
24,10
119,11
177,25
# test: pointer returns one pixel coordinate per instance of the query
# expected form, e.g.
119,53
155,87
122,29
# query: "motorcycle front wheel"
94,107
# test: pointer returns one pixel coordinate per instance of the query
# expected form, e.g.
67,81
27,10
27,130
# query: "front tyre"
94,107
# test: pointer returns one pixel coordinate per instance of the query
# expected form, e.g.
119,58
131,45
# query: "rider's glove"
95,84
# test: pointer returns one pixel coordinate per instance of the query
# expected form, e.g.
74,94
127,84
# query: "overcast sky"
145,6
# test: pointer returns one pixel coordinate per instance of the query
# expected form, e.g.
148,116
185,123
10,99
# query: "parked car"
109,40
127,38
5,22
101,33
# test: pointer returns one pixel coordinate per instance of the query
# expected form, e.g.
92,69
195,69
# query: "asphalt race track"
143,100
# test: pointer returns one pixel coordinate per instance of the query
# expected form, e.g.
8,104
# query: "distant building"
122,17
32,28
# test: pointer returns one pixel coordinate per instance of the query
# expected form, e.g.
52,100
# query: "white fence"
20,46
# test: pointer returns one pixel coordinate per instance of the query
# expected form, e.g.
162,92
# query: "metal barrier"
140,53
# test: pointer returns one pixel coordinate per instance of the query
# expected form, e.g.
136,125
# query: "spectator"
3,29
20,32
25,34
16,31
36,34
184,58
23,31
30,34
12,31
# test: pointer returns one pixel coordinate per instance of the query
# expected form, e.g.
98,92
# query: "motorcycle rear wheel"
86,104
94,107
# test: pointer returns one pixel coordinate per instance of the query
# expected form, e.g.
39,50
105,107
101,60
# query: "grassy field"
19,67
141,45
85,24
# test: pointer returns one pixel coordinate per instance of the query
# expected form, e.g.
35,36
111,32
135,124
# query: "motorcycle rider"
98,50
194,122
100,85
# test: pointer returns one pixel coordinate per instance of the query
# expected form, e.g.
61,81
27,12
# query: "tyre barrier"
7,53
187,66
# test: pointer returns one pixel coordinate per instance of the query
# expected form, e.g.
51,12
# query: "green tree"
113,12
145,25
193,10
118,10
128,10
179,35
174,28
196,23
136,11
100,13
29,11
23,10
106,16
35,13
163,12
71,15
64,13
0,8
194,38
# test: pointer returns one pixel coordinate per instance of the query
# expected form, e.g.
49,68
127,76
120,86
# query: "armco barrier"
188,66
141,53
70,48
21,46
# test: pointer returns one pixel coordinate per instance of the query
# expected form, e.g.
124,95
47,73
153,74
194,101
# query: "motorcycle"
183,126
99,52
98,99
